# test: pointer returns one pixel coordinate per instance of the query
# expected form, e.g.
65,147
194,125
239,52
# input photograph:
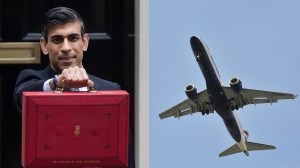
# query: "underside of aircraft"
223,100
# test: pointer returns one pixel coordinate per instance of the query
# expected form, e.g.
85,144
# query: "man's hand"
74,77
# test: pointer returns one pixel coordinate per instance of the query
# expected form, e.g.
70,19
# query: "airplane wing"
251,96
188,107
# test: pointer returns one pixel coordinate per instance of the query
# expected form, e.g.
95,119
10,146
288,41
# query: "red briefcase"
75,129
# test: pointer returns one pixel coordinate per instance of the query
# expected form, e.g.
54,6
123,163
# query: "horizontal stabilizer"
256,146
232,150
250,145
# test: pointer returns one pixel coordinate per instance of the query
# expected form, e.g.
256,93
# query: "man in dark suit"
64,40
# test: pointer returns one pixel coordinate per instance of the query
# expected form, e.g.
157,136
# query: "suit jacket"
32,80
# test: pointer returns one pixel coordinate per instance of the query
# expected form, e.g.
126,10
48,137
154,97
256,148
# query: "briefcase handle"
62,89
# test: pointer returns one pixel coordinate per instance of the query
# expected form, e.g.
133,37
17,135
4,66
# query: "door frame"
141,84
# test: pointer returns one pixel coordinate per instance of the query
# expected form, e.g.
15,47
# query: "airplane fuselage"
216,93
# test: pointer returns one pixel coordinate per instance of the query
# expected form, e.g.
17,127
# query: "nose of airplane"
195,45
194,38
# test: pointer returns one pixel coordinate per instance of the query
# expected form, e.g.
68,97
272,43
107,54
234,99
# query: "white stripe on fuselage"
242,143
212,61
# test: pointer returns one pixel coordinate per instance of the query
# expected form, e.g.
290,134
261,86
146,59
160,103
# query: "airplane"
224,100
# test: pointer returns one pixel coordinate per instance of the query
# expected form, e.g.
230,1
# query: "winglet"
295,96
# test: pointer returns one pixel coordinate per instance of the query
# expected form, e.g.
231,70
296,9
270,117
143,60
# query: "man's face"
65,46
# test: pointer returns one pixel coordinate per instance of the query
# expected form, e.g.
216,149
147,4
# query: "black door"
110,25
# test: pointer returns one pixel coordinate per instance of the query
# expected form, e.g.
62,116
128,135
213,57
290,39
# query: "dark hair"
61,16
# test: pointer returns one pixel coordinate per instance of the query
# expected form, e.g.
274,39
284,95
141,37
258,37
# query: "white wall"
141,84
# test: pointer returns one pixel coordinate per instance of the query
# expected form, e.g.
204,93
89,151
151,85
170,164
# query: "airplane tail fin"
252,146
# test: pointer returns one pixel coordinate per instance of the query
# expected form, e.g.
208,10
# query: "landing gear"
205,112
234,107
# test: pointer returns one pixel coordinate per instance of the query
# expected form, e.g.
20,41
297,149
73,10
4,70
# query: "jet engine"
191,92
236,85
